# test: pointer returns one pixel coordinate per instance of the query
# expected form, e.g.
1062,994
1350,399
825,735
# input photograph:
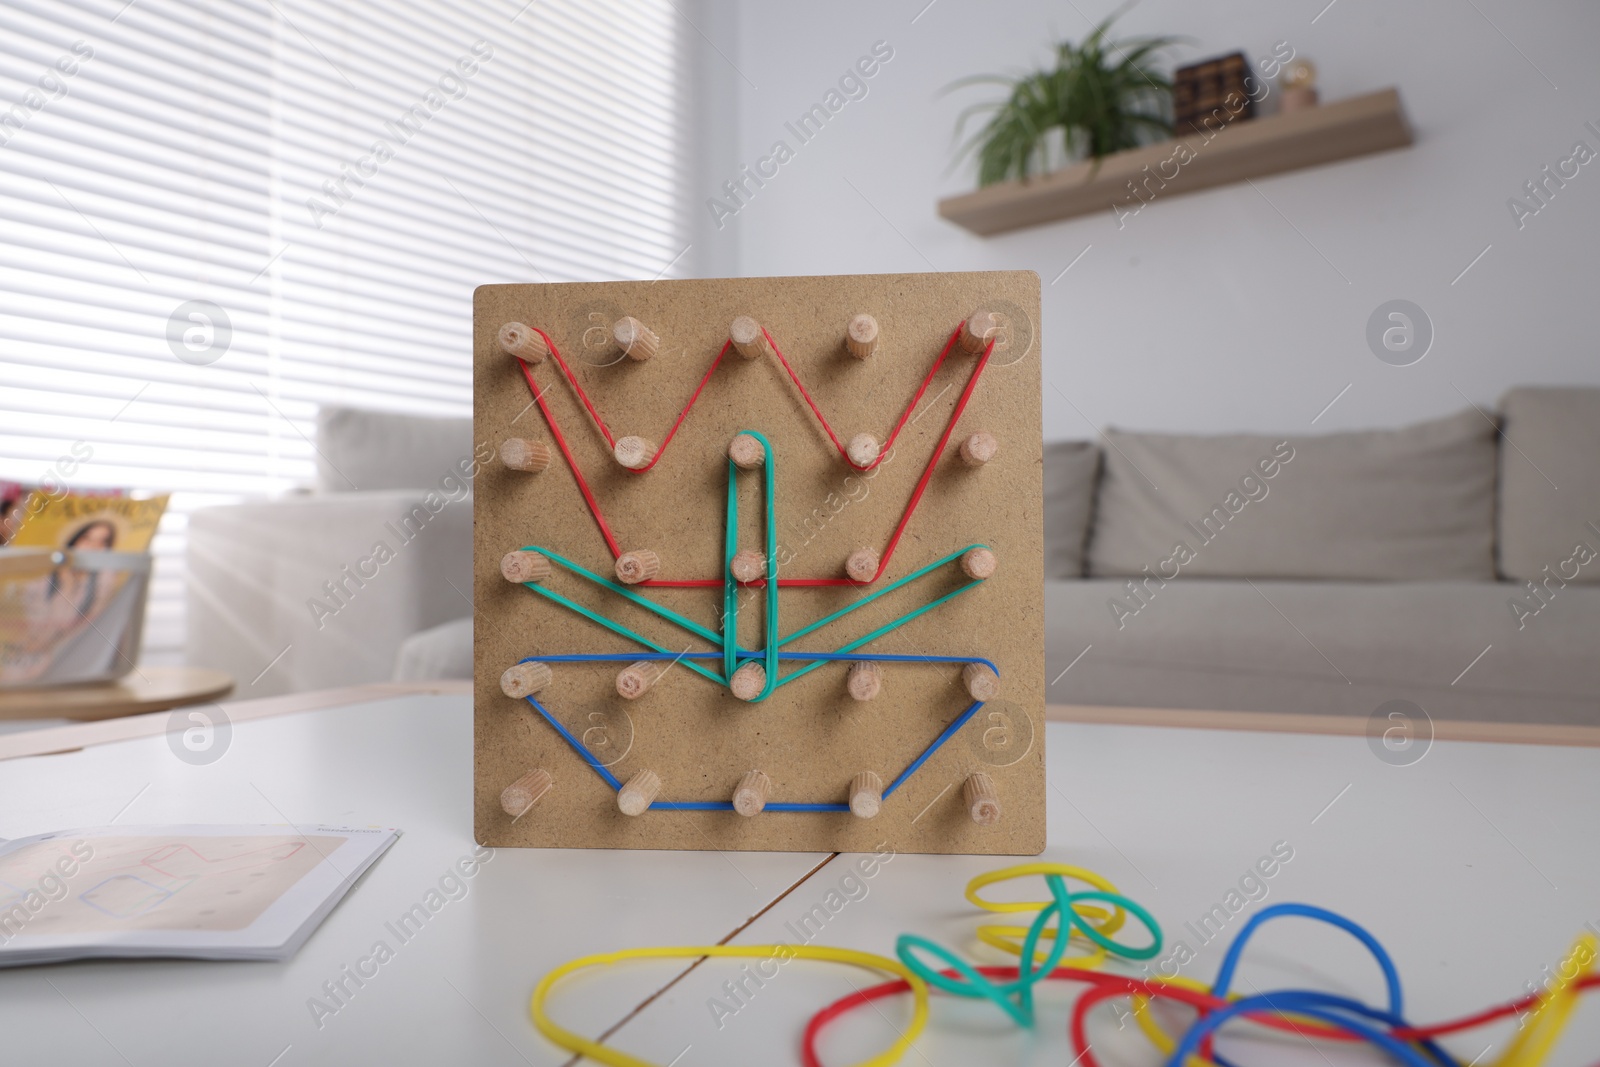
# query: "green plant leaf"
1102,94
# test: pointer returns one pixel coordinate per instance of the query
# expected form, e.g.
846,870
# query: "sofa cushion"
368,450
1412,504
308,572
1070,471
442,652
1550,485
1459,650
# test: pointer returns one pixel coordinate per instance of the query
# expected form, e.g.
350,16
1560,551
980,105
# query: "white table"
1475,866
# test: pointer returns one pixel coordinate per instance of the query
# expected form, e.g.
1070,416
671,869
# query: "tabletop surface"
1474,865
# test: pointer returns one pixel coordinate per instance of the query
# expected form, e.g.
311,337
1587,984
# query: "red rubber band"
605,432
572,381
1109,986
904,416
566,453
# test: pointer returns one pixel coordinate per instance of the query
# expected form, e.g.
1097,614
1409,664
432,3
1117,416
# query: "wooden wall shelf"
1247,149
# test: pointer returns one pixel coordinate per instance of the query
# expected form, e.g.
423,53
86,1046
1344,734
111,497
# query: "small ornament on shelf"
1299,84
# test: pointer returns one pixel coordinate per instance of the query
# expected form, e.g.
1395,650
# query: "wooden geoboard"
914,718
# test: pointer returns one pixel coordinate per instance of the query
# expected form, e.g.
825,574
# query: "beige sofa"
323,588
1437,563
1454,564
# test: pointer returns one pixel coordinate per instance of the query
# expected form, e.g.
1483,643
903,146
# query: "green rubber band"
623,591
885,591
623,630
976,985
730,587
771,657
1133,908
969,982
772,576
886,628
727,638
1029,971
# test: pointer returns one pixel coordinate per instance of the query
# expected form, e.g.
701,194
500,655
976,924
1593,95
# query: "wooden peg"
866,795
517,340
637,793
637,341
521,454
748,681
751,795
982,326
979,449
982,682
862,564
637,566
862,449
634,680
978,563
747,338
861,336
635,453
864,680
748,565
524,566
983,802
747,452
521,679
524,793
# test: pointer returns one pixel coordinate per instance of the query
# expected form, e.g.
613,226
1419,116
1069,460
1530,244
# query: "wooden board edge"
494,769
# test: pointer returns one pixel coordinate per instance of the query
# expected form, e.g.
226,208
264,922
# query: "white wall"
708,30
1210,312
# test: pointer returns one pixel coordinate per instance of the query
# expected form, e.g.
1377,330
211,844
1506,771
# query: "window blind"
218,216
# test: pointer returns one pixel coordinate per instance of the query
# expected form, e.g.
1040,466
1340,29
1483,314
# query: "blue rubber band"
949,731
1298,1002
730,611
1230,959
582,749
832,657
731,655
1391,976
723,805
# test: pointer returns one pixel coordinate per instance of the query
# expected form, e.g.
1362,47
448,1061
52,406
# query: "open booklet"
200,892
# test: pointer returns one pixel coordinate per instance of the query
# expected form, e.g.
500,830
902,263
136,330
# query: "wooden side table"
147,689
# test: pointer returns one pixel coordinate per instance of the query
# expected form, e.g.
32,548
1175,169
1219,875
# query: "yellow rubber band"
1145,1018
1530,1047
1023,870
600,1053
1009,939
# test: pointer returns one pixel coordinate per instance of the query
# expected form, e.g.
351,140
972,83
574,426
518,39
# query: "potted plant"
1102,96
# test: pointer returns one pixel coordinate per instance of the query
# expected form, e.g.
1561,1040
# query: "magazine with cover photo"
73,582
87,522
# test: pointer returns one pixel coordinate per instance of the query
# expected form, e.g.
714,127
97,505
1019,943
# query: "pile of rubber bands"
1091,917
